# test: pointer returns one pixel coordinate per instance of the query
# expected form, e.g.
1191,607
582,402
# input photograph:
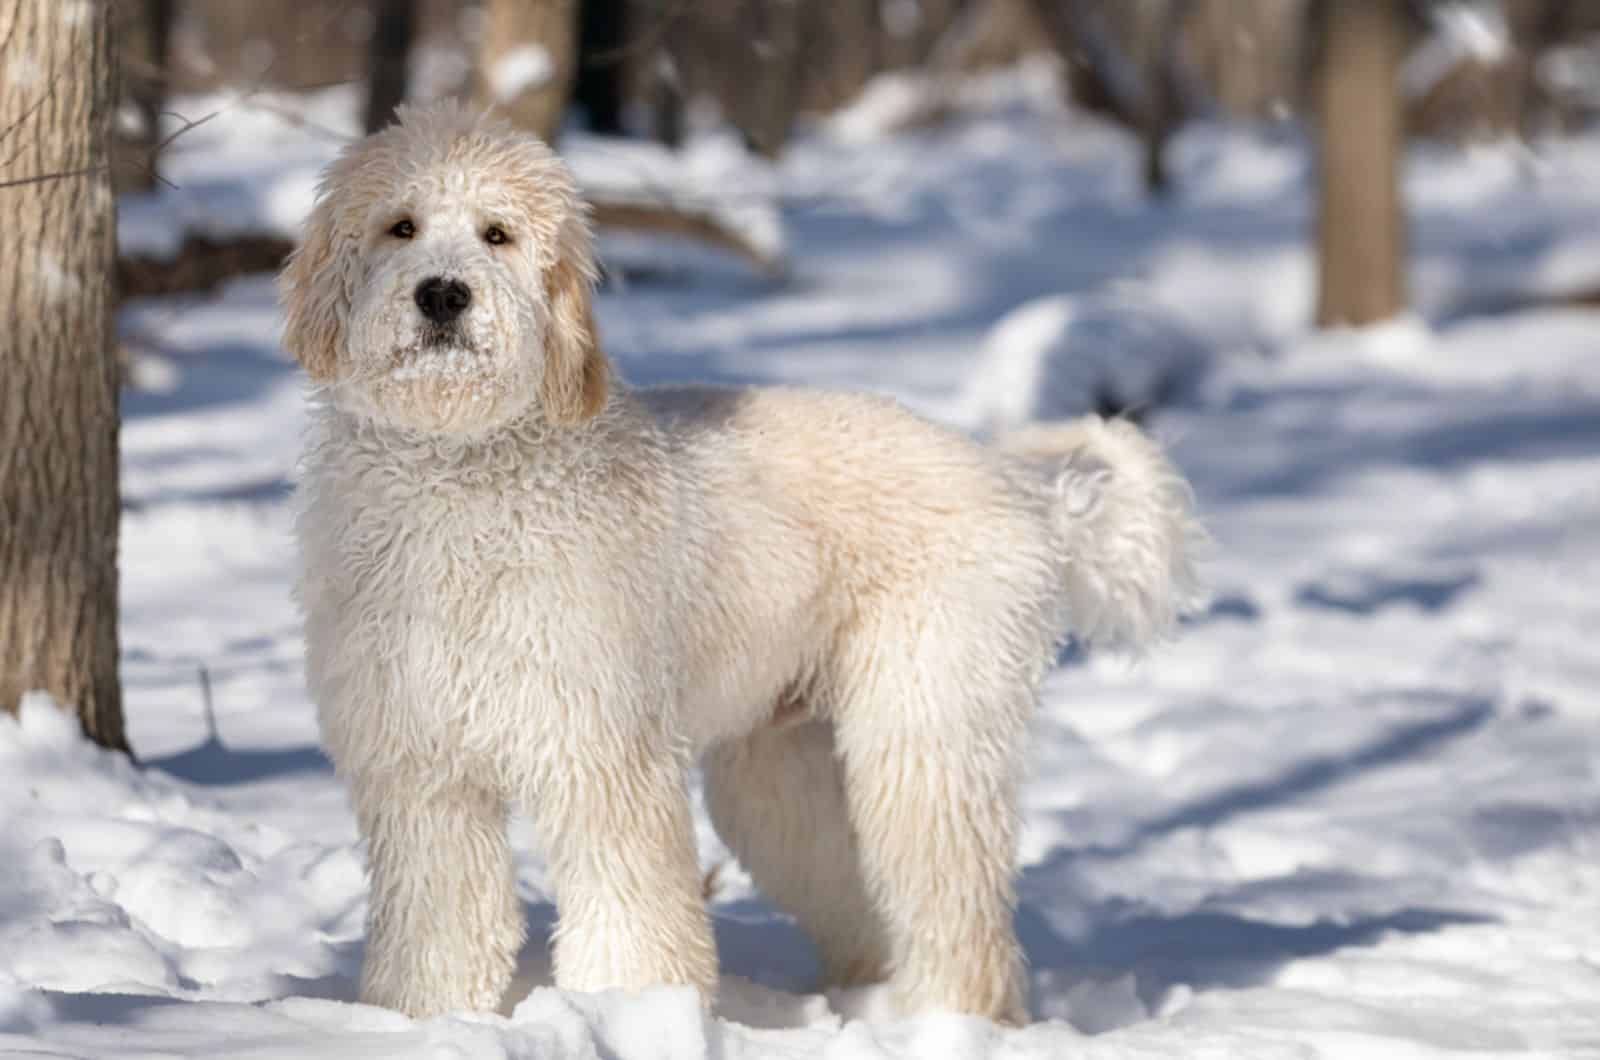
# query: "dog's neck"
529,440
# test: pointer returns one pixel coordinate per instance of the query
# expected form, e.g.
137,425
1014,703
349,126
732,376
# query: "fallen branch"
686,222
200,264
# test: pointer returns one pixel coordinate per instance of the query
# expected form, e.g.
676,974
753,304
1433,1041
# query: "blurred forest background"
646,67
1461,71
1358,79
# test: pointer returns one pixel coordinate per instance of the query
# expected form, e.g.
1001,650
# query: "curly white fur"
527,583
1123,516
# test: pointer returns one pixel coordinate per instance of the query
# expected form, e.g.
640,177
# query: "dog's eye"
494,235
403,229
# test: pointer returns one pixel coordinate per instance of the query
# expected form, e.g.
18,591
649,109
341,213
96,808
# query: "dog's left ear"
576,375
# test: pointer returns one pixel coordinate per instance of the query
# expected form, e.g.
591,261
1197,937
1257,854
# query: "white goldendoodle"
526,583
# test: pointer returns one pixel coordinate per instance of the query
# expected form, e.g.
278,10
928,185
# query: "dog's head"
444,280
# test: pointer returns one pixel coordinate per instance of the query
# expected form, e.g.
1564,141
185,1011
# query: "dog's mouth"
442,337
437,351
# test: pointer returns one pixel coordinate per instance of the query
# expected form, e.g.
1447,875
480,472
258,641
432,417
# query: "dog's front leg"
444,923
615,818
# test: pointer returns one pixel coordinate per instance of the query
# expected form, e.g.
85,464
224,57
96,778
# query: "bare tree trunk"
850,33
1091,57
1536,26
145,42
527,61
778,31
910,42
666,107
1246,54
1160,39
602,43
1360,224
58,407
387,55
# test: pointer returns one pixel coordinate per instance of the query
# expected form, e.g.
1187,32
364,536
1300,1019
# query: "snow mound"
1066,355
120,880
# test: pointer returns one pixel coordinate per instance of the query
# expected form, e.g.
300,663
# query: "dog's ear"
576,375
317,286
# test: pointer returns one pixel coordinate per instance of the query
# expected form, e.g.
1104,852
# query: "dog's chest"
476,564
484,585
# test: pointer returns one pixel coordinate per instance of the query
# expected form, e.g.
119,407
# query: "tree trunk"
666,109
842,49
602,45
779,32
1360,224
911,41
527,61
1160,40
387,55
58,408
145,41
1091,57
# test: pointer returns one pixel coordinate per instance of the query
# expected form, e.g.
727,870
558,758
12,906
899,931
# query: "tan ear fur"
317,286
576,375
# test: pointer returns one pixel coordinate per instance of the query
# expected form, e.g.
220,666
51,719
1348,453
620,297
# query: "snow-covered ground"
1353,812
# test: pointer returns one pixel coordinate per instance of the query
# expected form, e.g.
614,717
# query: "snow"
1066,355
1354,811
522,69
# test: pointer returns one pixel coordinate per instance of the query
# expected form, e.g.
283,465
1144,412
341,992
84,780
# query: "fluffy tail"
1125,526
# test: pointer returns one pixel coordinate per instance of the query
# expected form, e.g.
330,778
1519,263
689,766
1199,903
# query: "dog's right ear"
317,286
576,375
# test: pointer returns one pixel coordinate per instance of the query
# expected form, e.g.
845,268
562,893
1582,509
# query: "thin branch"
187,125
41,178
147,166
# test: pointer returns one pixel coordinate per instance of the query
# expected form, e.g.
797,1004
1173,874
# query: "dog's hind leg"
776,798
929,728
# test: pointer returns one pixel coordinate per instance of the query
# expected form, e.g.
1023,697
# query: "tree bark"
58,408
1360,223
527,62
387,55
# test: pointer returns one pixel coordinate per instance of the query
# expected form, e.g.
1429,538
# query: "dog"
525,583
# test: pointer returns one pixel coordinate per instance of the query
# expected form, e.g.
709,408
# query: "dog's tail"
1124,524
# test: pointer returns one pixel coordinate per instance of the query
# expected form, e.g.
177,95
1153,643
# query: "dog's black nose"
442,300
